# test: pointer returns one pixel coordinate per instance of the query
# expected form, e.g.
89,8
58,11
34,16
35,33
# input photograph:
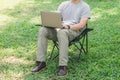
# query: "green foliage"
18,42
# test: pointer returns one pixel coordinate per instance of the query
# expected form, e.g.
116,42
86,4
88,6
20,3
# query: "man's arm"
78,26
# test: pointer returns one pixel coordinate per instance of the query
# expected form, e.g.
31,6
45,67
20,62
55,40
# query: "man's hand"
64,26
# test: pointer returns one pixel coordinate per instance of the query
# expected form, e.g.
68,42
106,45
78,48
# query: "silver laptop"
51,19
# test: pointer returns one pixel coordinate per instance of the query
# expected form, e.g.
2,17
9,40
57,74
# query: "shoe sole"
39,70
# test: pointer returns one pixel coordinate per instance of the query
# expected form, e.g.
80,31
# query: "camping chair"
80,42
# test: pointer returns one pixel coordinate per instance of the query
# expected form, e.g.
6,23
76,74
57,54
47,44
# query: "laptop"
51,19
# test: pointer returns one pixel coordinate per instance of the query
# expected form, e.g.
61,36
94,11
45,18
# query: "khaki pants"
63,36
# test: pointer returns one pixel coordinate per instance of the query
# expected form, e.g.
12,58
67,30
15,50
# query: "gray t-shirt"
72,13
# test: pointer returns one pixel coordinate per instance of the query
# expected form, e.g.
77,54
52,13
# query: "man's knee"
61,33
43,31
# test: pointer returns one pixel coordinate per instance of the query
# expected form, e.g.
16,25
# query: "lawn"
18,42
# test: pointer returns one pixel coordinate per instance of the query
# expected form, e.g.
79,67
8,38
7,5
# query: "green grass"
18,42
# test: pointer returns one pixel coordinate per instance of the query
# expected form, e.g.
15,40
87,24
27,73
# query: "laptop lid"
51,19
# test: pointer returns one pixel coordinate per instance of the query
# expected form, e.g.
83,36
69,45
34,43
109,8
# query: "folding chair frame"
81,40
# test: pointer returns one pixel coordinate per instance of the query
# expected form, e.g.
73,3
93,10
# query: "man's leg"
63,47
64,36
44,35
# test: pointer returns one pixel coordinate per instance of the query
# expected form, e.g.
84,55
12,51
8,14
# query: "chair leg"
82,44
51,54
79,50
85,38
86,42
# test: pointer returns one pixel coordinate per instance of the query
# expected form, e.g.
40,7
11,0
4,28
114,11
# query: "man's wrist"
68,26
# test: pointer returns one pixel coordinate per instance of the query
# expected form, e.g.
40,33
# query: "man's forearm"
80,25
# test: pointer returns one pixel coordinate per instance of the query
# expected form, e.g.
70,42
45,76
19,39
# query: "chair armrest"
38,24
89,29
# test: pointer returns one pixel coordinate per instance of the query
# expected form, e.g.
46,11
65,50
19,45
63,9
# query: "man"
75,15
